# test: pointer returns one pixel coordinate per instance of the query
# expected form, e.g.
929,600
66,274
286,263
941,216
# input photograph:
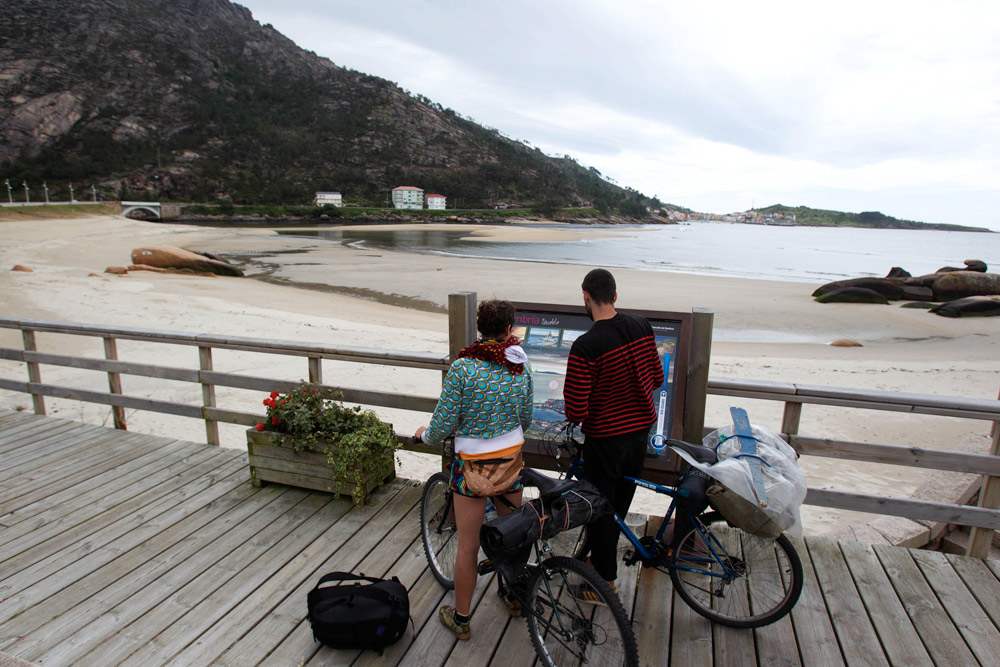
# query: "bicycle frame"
644,553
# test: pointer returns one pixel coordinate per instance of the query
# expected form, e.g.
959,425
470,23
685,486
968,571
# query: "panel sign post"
547,333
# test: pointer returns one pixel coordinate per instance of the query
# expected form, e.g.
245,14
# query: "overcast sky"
857,105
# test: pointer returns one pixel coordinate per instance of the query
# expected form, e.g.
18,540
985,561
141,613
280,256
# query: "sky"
871,105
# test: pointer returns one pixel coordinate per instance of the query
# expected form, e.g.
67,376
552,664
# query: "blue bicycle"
724,573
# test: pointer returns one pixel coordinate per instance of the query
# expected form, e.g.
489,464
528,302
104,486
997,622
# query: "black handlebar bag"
369,615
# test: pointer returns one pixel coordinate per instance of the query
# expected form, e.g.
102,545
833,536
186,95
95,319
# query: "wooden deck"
120,548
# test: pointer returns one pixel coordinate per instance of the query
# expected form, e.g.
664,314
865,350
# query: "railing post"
208,397
316,370
461,333
699,359
115,382
980,539
34,372
790,420
461,322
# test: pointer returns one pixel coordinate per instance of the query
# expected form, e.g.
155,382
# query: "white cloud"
886,105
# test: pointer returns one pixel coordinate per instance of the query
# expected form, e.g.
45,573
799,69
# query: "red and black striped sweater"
611,374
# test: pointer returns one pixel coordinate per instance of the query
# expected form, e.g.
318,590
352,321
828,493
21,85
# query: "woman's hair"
493,317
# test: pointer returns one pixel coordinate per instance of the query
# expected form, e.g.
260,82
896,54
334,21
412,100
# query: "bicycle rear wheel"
566,631
761,582
438,530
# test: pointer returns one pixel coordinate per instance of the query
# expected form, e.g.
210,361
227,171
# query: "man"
611,374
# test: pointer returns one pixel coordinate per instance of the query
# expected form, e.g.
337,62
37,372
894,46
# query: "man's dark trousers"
606,461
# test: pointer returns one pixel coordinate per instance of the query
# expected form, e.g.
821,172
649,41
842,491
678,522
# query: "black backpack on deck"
369,615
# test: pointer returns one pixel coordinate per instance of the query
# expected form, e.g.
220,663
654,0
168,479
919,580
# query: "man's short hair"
600,285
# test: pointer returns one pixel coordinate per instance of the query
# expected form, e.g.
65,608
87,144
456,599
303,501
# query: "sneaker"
513,606
584,592
447,616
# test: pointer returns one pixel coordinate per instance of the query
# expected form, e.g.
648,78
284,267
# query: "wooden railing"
984,519
312,353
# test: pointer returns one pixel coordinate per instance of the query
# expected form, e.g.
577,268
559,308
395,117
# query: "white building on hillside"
323,198
407,196
436,201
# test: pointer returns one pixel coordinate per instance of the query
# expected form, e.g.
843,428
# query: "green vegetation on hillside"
822,218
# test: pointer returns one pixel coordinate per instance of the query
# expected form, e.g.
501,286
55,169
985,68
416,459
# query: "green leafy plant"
356,442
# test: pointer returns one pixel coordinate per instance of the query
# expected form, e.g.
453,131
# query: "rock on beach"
169,257
972,306
852,295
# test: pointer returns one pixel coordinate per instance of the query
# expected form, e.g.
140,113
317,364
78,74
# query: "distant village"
412,197
405,196
747,217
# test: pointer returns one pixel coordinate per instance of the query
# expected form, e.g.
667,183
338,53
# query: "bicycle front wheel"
567,631
437,528
733,577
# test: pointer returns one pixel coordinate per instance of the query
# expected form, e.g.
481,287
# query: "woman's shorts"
458,479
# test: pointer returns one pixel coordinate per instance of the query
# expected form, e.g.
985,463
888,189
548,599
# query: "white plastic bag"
734,495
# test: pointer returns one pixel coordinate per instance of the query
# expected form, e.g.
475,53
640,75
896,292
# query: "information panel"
547,334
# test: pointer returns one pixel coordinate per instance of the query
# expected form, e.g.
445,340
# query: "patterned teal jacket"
480,400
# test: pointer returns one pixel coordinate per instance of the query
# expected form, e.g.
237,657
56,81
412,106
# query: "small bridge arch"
145,209
149,210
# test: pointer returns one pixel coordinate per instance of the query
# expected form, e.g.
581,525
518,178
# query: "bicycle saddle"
548,488
700,453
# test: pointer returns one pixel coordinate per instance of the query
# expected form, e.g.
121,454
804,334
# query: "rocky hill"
195,100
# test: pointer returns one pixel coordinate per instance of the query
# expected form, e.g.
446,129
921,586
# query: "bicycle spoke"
568,631
751,581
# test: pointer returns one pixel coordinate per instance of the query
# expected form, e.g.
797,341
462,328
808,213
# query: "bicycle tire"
438,530
565,630
768,577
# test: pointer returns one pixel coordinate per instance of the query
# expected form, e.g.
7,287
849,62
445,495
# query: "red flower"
260,427
283,401
274,394
274,421
267,402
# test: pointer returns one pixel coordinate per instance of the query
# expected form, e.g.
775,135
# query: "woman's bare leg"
468,519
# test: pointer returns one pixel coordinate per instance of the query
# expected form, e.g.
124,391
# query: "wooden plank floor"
126,549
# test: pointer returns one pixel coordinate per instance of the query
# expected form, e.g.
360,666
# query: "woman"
486,403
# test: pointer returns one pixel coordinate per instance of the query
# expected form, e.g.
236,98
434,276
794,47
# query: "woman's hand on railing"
419,435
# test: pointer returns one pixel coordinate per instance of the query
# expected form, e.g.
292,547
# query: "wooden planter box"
305,469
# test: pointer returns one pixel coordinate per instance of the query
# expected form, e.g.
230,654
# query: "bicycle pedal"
630,557
485,566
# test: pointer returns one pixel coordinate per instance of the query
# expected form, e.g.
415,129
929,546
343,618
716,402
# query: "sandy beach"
763,330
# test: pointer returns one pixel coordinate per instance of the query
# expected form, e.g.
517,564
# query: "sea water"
799,254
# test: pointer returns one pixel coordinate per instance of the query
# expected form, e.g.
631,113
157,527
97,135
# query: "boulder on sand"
970,265
168,257
116,270
972,306
852,295
845,342
918,293
180,272
22,267
960,284
890,289
898,272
